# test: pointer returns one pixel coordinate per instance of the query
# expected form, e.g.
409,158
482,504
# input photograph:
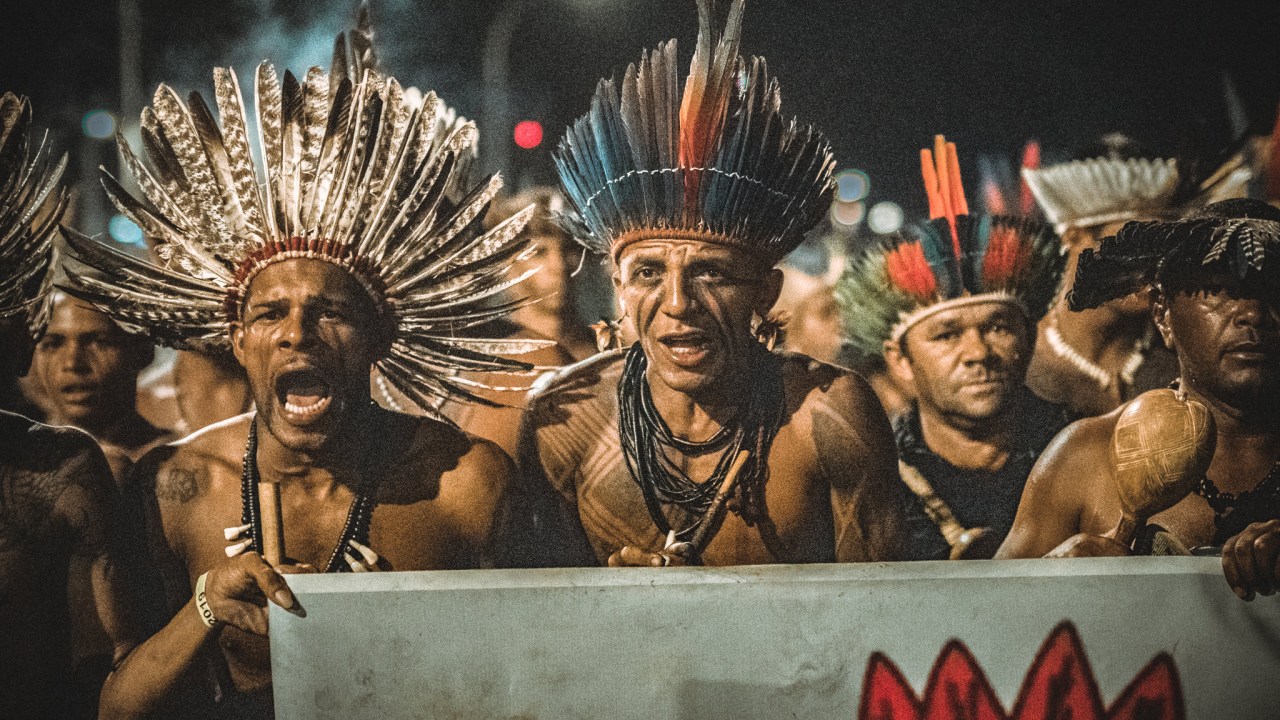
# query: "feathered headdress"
349,172
1102,190
717,163
31,205
955,259
1223,244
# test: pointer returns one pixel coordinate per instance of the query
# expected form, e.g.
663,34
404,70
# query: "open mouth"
304,394
687,349
77,393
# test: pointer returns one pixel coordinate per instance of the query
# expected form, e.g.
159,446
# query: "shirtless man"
960,330
307,317
55,488
1096,359
89,369
1222,317
637,443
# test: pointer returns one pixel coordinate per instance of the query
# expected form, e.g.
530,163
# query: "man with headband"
952,307
353,245
1214,281
698,444
1096,359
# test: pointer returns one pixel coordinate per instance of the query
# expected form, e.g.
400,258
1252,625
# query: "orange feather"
937,208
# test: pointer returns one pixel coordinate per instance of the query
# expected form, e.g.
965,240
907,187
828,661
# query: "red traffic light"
528,134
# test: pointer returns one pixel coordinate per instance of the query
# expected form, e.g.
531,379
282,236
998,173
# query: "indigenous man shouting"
954,310
641,446
1215,283
346,254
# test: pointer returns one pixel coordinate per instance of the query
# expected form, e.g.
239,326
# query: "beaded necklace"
1233,512
355,528
645,437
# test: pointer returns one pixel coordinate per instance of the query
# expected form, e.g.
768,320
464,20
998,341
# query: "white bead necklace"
1092,370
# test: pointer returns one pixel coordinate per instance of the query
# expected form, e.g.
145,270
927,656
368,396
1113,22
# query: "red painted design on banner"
1059,685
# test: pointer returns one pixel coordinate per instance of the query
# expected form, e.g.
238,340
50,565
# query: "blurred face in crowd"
552,254
815,328
967,363
307,337
692,305
88,366
1228,343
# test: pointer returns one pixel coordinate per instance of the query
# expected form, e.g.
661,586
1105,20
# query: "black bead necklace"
355,528
1233,512
645,436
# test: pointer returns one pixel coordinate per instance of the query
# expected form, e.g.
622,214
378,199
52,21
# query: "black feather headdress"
717,162
31,205
348,171
1219,247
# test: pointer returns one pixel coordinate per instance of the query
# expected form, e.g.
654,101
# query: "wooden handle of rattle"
272,522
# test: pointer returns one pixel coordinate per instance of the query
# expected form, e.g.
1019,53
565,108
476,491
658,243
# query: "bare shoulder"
202,462
437,458
1082,447
578,396
818,382
821,393
1075,465
26,441
49,467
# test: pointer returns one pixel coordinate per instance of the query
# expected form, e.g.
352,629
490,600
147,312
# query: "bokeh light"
125,232
885,217
528,134
852,185
847,214
98,124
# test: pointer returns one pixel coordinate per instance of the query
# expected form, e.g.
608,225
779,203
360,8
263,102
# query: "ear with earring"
608,334
770,331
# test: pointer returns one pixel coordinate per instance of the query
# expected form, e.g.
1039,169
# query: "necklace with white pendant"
1092,370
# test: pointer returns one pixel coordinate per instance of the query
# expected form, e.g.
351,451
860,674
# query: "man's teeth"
310,406
686,349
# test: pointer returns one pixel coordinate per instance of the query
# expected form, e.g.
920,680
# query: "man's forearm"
154,671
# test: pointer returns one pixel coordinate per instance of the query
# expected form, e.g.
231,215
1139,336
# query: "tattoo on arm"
180,485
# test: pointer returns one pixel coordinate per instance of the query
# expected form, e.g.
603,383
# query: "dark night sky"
879,76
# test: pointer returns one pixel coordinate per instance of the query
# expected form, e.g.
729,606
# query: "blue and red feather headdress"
717,162
956,258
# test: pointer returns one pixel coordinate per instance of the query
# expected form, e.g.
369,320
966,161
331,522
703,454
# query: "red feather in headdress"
705,103
1008,255
1030,161
909,270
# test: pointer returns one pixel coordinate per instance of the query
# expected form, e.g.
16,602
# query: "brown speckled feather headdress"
31,205
348,171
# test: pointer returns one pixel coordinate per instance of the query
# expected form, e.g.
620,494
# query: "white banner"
1104,639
